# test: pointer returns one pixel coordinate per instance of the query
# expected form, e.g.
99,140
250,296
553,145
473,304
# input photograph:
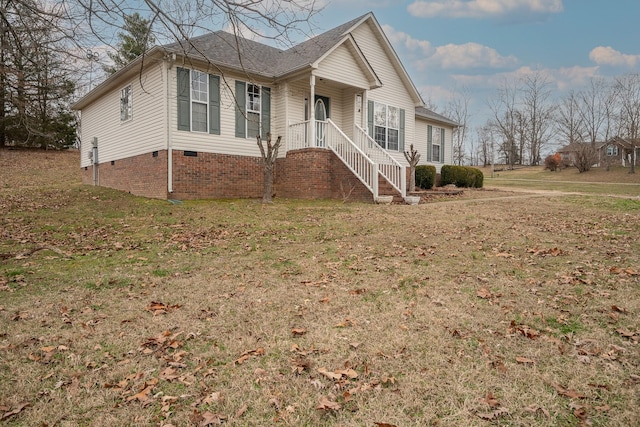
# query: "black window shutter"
184,99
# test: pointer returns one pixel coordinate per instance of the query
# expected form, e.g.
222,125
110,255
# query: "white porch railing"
353,157
364,157
298,136
388,167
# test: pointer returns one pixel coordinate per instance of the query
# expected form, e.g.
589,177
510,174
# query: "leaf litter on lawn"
318,312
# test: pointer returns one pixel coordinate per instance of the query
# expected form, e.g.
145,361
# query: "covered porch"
328,115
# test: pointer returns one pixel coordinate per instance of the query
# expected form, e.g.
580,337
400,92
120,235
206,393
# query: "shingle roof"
225,49
432,115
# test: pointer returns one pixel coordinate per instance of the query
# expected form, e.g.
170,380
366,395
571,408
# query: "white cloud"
561,78
402,39
436,94
469,55
574,77
609,56
464,56
484,8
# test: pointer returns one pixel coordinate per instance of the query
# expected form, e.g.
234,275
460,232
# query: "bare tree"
585,156
413,157
485,144
179,20
269,156
627,92
595,105
569,121
504,109
458,111
538,110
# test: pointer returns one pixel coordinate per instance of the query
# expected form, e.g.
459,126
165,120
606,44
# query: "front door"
321,115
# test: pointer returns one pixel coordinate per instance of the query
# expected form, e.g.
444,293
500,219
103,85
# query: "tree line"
48,48
526,120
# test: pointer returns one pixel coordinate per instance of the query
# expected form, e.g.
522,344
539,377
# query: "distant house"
181,122
615,151
619,151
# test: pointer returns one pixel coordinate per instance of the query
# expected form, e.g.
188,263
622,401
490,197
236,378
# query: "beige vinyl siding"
348,108
393,91
335,101
226,142
298,91
145,132
342,66
279,100
420,143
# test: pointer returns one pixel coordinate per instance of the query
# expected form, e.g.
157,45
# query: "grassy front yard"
118,310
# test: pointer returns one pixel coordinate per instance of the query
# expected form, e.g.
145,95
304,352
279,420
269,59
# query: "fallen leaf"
536,409
209,419
345,323
160,308
16,410
326,404
298,331
484,293
240,412
384,425
619,309
247,354
493,415
525,360
504,255
490,400
625,333
329,374
570,393
349,373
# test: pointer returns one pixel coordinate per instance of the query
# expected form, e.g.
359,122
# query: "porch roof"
425,113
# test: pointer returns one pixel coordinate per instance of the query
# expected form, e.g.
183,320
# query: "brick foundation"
316,173
143,175
216,176
311,173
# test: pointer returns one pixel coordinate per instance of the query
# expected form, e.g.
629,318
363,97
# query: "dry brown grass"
469,312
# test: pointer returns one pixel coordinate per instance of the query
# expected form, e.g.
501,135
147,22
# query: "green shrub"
461,176
425,176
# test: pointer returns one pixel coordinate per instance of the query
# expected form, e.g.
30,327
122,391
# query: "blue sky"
450,45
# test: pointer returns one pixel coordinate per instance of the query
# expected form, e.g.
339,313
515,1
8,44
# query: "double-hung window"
199,101
612,150
253,110
435,144
386,125
126,103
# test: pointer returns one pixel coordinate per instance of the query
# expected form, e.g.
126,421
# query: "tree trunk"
269,156
413,158
267,187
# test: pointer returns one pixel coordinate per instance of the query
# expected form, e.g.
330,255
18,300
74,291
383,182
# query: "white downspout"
169,63
312,111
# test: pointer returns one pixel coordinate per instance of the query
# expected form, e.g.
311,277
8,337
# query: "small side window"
126,104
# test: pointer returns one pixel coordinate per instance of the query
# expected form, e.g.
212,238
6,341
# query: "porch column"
364,113
312,111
